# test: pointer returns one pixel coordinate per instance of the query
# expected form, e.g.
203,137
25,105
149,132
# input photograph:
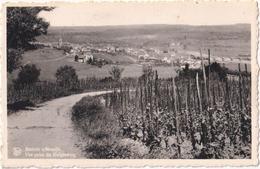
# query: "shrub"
118,149
92,116
99,151
87,107
66,49
99,126
128,148
66,77
29,74
216,68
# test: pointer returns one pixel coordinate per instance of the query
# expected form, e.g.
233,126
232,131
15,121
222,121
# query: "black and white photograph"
158,80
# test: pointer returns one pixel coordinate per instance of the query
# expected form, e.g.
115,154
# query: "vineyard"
198,114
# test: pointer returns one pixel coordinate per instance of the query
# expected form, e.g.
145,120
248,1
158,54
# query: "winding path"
46,129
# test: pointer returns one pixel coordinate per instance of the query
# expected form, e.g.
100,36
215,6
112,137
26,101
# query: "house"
119,49
166,60
88,56
110,49
85,57
143,56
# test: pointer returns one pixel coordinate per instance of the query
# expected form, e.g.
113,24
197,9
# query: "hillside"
49,60
224,41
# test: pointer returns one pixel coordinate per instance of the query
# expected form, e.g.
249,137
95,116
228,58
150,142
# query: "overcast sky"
97,14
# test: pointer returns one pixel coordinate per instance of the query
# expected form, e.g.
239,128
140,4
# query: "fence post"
209,76
205,80
240,88
176,117
198,91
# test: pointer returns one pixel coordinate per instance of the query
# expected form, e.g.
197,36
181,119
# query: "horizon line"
233,24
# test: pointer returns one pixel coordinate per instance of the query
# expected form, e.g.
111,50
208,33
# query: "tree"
14,57
23,25
116,72
90,60
67,77
29,74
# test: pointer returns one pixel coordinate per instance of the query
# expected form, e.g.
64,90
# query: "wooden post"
190,116
176,117
142,110
208,86
209,56
246,68
167,97
213,92
156,91
228,95
205,79
240,88
198,91
121,98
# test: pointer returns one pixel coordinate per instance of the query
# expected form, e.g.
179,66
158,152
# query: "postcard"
129,84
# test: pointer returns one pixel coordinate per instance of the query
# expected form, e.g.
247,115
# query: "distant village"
175,54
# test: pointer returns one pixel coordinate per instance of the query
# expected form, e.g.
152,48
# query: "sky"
100,14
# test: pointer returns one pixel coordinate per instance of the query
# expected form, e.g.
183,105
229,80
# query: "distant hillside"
226,40
152,28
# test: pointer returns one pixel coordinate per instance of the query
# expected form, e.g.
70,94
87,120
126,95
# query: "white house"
166,60
143,56
84,57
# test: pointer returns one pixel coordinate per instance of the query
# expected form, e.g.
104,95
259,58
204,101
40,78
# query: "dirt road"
46,131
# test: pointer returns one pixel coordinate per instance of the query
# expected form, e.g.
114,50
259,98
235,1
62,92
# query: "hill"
224,40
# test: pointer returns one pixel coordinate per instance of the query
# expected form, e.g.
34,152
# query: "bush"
119,149
99,126
215,70
66,77
86,108
29,74
66,49
99,151
218,69
91,115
